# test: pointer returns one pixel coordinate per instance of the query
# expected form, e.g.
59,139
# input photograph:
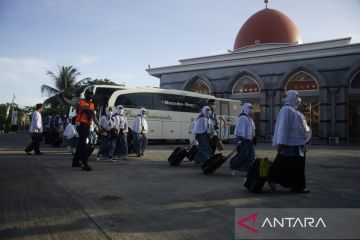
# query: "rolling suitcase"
179,153
215,162
177,156
192,152
258,175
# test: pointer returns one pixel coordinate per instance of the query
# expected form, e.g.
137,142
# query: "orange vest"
82,115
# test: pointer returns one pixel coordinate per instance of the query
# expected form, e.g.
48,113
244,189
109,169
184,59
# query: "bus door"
223,115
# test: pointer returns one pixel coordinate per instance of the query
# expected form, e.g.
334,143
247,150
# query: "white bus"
169,112
102,93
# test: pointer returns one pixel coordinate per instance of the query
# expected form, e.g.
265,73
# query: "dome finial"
266,2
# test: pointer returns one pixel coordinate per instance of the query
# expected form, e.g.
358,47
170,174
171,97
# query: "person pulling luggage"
245,133
203,131
215,135
290,138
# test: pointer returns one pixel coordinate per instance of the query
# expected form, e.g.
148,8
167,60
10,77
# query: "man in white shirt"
36,130
140,129
291,135
245,133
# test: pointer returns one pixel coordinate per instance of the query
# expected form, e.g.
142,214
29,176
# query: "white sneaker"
232,172
98,158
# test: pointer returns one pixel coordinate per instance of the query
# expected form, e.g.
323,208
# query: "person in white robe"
203,131
290,138
245,134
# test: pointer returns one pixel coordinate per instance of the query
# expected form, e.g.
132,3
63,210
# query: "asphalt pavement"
43,197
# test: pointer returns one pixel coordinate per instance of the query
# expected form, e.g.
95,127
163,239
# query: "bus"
101,97
169,112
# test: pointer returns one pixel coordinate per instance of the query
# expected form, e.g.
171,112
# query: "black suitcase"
192,152
253,181
179,153
215,162
177,156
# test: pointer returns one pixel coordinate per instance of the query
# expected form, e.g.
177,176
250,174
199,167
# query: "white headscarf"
206,111
292,98
247,108
107,111
120,109
142,111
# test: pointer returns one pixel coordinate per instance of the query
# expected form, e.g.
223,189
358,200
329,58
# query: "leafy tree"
22,115
65,81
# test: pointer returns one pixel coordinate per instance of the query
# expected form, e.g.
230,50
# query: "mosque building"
269,58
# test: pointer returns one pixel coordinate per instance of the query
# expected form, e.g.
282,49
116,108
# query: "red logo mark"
242,224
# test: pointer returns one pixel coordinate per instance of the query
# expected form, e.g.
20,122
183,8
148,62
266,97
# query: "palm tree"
65,82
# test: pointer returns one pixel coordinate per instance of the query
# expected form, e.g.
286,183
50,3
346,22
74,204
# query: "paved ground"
42,197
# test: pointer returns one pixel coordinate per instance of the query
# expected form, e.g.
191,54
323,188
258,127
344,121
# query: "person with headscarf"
140,128
203,131
245,133
104,129
290,137
121,149
215,124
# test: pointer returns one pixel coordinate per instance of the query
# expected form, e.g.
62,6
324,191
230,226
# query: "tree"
66,82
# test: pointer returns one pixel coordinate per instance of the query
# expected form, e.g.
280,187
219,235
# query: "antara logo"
284,222
242,224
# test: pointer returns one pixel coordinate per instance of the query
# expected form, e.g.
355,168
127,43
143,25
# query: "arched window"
355,82
246,84
200,86
302,81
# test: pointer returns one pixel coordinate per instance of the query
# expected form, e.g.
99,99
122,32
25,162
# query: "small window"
199,86
302,81
246,84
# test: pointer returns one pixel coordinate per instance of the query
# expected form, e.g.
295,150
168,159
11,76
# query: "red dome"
267,26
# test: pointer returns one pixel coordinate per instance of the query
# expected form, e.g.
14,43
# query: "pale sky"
117,39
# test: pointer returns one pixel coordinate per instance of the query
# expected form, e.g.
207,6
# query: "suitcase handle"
231,154
191,145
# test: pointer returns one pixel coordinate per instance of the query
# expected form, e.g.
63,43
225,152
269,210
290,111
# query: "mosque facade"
269,58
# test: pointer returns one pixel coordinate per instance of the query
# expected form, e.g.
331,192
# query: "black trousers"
289,171
35,144
81,153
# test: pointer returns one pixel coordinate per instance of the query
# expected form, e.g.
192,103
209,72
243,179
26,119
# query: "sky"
118,39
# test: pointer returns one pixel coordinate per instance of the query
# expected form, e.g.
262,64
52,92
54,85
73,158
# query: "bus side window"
135,100
234,109
224,108
177,103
